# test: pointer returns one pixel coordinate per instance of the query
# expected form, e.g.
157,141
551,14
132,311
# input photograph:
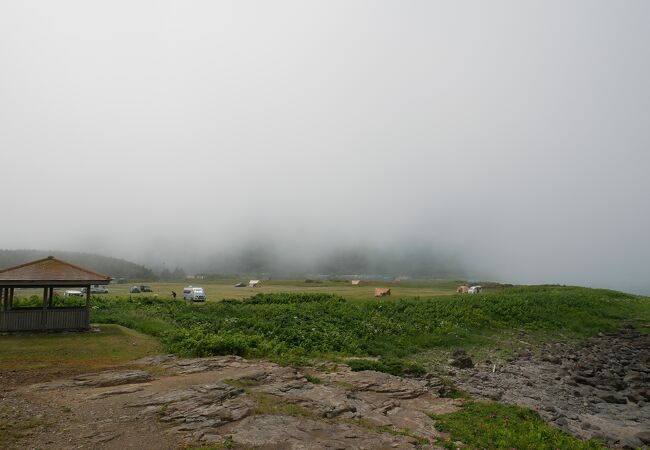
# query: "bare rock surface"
598,390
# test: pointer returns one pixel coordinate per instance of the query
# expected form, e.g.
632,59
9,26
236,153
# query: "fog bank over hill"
504,140
264,259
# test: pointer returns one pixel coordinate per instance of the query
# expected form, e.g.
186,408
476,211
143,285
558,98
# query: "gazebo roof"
50,271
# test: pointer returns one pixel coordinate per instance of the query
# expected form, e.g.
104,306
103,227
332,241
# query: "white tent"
254,283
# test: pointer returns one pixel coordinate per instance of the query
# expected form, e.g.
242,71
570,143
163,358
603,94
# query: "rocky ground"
600,389
248,404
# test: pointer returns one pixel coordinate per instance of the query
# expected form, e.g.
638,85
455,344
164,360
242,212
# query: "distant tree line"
177,274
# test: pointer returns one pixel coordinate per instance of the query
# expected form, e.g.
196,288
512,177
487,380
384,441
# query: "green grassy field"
225,289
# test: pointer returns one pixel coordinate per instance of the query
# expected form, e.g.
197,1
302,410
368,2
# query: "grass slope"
42,356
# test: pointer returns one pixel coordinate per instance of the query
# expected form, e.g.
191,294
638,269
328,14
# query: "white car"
73,293
196,294
475,290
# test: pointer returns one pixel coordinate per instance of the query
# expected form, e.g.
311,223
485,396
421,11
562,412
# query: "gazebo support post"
45,298
3,299
11,298
50,294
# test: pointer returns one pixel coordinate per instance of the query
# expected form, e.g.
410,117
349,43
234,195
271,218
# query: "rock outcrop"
598,390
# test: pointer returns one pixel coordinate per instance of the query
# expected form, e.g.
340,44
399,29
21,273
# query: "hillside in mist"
115,267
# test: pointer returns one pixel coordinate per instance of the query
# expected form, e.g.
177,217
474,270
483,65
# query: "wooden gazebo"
48,273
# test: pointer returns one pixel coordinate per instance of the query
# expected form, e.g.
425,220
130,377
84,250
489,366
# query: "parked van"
96,289
196,294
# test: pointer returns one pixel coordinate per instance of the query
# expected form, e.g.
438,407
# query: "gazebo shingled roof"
50,271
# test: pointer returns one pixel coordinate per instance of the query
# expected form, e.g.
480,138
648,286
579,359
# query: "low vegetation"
298,326
496,426
392,366
13,427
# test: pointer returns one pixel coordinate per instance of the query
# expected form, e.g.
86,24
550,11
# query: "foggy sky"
514,135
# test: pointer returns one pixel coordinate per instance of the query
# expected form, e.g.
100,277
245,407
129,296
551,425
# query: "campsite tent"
382,292
254,283
356,282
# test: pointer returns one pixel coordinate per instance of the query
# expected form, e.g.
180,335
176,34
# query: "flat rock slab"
299,433
113,378
101,379
379,382
194,365
119,391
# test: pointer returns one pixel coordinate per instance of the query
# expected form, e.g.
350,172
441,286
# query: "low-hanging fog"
505,140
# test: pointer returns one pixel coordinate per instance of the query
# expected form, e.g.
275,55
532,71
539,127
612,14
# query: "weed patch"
497,426
313,380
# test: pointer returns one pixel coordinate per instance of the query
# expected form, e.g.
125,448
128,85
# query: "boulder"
644,437
462,360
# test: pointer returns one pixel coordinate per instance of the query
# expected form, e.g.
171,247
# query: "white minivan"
195,294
